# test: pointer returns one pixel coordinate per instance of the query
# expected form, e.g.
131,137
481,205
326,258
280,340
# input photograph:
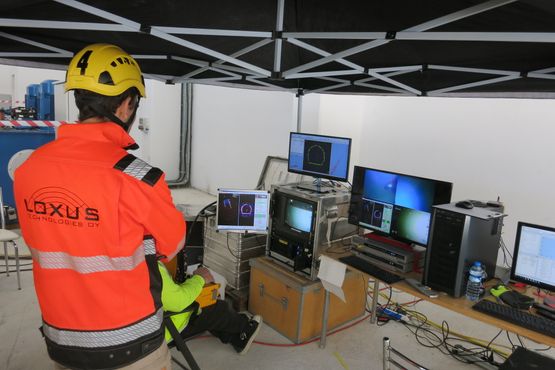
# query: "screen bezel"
241,228
358,170
519,278
314,174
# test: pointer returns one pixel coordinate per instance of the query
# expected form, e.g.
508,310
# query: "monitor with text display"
534,256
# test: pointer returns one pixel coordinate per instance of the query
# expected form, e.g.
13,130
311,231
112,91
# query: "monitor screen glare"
319,156
243,210
534,256
394,204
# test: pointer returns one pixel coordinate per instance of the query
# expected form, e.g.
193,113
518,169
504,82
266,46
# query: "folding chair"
178,340
8,236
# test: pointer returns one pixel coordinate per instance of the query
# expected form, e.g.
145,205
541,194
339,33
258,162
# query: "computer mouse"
464,204
517,300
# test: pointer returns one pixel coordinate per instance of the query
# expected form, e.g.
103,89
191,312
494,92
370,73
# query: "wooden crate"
293,305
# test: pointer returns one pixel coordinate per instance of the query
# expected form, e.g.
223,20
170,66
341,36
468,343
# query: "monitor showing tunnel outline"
243,210
319,156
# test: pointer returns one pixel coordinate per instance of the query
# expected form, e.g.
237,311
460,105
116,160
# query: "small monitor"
534,256
396,205
319,156
298,215
243,210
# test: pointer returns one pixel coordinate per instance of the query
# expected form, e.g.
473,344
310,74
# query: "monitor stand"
318,187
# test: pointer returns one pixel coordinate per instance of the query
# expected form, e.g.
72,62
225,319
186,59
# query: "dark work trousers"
220,319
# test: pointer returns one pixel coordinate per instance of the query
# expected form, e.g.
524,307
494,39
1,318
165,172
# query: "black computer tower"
458,237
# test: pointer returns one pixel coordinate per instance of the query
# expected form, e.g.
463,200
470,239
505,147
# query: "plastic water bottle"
474,284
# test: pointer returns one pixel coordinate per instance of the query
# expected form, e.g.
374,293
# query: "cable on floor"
314,339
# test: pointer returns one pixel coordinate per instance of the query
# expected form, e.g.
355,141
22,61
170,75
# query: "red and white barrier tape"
13,101
31,123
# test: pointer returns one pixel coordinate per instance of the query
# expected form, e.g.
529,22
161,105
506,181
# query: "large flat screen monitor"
534,256
396,205
243,210
319,156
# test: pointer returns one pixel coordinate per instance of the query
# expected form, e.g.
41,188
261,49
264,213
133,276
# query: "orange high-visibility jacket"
96,219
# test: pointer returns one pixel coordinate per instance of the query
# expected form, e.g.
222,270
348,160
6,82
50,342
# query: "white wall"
486,147
14,80
234,130
161,110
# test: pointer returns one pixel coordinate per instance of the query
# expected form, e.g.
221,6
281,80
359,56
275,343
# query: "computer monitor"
396,205
534,256
243,210
319,156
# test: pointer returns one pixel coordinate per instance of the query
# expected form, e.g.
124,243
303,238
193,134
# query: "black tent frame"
336,69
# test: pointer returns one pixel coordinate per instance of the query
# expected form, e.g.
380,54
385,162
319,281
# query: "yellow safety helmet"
104,69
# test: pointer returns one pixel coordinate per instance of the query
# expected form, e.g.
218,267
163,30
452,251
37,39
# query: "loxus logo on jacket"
60,206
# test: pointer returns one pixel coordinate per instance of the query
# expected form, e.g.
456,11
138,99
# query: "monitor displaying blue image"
394,204
380,186
401,190
319,156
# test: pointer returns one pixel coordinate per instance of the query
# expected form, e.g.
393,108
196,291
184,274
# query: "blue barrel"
13,140
31,98
45,100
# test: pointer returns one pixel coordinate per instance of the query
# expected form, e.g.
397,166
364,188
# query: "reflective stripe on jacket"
96,220
177,297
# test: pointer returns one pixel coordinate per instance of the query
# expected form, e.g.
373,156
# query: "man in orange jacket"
96,220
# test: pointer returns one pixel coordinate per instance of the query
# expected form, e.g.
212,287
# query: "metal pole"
3,224
386,353
325,319
279,41
300,94
17,265
375,296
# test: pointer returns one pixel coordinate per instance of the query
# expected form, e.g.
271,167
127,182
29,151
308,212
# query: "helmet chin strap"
110,115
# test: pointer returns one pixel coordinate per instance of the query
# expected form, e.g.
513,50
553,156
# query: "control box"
304,223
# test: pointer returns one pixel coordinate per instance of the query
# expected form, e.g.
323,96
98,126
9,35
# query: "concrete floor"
359,347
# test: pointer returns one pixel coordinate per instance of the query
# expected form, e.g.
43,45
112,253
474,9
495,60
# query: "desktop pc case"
298,247
459,237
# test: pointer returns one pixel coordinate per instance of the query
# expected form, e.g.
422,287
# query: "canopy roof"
398,47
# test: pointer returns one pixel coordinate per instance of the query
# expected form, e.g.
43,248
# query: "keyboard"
371,269
516,316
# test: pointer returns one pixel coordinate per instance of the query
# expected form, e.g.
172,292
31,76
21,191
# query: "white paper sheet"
332,275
